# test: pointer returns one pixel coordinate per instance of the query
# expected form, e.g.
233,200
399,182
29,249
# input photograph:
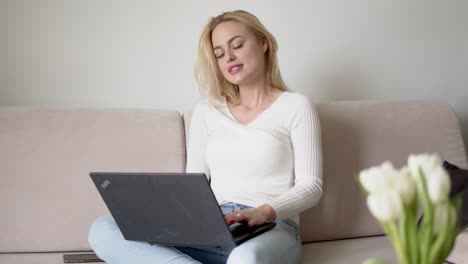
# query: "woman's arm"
307,148
197,140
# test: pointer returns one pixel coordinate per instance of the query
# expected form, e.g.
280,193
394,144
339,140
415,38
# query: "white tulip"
386,205
438,185
378,178
384,177
405,185
425,162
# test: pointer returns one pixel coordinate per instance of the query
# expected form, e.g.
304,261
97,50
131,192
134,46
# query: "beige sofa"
48,201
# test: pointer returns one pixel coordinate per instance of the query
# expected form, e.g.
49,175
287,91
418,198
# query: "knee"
103,232
246,255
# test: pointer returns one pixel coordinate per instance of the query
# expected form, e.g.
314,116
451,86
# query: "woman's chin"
234,81
239,81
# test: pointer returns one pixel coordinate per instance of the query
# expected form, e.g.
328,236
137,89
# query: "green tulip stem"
412,232
391,229
404,232
376,261
426,231
435,253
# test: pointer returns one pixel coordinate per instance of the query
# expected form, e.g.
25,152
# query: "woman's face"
240,54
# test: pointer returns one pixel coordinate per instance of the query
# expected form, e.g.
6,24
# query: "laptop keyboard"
239,229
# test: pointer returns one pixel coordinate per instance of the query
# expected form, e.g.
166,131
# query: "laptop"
176,209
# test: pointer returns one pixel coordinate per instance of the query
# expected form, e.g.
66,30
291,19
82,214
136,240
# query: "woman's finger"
234,217
243,216
239,216
230,218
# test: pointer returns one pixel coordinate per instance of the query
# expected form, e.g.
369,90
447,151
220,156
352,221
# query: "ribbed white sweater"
276,159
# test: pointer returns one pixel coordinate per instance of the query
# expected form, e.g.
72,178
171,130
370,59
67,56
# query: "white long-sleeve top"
275,159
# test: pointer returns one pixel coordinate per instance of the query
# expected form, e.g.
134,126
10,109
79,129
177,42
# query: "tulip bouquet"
397,197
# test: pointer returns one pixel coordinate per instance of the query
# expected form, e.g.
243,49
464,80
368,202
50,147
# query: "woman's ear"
264,45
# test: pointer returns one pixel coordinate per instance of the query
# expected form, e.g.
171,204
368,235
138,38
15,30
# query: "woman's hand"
257,216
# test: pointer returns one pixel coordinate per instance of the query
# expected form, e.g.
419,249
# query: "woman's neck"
254,96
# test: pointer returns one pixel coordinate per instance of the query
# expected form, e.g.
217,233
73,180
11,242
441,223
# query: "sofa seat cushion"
359,249
330,252
36,258
459,254
354,250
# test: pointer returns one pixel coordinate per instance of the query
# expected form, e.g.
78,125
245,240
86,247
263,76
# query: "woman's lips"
233,69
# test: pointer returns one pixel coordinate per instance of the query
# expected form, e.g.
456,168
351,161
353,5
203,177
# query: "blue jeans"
279,245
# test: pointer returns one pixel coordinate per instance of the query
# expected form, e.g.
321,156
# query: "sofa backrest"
360,134
357,135
47,198
48,201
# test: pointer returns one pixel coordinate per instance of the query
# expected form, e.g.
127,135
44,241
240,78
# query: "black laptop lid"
165,208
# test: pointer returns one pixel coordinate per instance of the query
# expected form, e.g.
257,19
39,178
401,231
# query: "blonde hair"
210,79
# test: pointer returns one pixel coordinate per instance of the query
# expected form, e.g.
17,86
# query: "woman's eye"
218,54
238,46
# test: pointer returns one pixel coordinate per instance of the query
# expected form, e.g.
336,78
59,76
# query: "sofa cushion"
357,135
350,251
459,254
357,250
354,250
47,198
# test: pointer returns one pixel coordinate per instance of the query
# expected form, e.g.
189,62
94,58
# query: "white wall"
140,53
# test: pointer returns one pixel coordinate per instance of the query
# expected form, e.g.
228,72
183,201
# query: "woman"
258,144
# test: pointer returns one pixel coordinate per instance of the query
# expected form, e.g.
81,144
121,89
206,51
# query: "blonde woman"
258,144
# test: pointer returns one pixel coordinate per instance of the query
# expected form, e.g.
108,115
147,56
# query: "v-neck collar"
264,112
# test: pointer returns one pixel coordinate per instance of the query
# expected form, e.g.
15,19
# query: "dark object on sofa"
459,184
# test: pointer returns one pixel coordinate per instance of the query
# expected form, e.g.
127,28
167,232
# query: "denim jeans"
282,244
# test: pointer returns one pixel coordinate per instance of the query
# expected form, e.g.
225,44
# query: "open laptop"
177,209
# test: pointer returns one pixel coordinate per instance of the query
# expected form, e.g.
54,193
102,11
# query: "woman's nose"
230,56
